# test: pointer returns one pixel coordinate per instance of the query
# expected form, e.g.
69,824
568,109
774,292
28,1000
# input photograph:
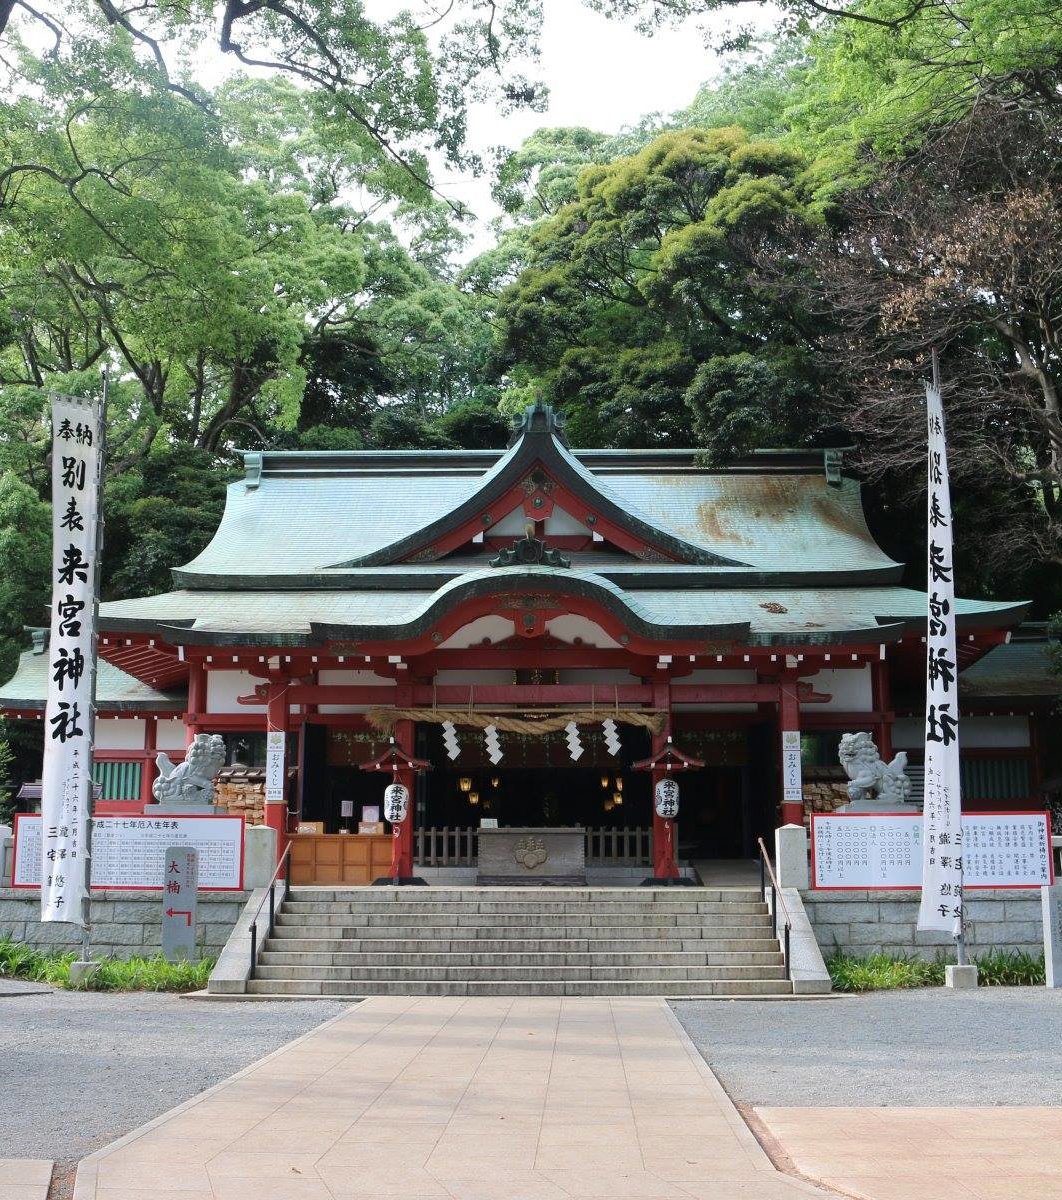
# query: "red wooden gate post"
402,847
147,767
664,830
276,812
792,803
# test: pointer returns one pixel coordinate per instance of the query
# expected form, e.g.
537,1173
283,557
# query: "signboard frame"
132,887
917,887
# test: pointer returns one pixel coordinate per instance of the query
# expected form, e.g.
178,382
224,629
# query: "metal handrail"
767,872
271,897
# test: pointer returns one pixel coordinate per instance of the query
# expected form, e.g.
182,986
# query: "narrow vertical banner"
276,744
77,434
942,905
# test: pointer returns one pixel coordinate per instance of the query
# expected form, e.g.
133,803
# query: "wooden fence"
454,846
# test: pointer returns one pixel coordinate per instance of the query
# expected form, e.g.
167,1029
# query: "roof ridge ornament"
530,551
539,419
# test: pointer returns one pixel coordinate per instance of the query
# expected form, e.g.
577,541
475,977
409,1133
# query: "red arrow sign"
180,912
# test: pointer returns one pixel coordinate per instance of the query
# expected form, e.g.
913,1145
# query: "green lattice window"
117,780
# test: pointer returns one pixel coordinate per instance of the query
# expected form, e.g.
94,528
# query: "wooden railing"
458,846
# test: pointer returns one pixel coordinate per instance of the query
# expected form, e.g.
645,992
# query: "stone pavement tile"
912,1153
25,1178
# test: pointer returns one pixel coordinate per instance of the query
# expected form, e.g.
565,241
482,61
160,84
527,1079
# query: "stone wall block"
841,913
871,933
125,934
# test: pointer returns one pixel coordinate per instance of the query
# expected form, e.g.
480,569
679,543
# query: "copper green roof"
758,616
1025,668
311,519
115,690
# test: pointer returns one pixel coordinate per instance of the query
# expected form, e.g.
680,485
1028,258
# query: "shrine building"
356,601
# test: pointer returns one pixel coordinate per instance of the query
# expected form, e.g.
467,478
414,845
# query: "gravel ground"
924,1047
80,1069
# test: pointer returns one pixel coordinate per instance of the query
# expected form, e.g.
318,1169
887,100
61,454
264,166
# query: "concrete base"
960,977
82,971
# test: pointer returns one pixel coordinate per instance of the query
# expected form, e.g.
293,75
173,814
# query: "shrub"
878,972
154,974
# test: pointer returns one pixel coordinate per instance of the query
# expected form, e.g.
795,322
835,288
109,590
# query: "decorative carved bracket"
530,551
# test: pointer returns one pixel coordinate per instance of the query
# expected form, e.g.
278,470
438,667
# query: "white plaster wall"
570,626
354,678
986,733
171,735
559,524
588,675
497,629
125,733
476,677
851,690
224,686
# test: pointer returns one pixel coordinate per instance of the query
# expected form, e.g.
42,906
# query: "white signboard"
130,852
884,850
68,719
792,783
943,864
274,778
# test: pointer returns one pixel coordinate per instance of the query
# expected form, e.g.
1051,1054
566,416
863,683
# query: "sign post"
179,903
1051,898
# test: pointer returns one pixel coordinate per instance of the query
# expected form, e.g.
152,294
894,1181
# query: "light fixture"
465,783
619,784
473,798
617,798
608,806
494,781
604,781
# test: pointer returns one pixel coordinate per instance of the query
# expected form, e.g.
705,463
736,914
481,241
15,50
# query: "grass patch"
882,972
155,974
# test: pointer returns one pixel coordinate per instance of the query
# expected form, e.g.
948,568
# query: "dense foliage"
268,262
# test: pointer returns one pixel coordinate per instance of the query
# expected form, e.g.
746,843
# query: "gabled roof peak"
538,420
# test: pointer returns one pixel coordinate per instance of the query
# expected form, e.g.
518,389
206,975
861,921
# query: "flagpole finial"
934,361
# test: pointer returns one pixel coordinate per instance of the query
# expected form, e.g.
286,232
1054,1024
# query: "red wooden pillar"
402,844
665,833
147,767
882,701
197,700
792,800
276,811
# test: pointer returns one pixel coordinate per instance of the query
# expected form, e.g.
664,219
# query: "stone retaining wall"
863,922
124,924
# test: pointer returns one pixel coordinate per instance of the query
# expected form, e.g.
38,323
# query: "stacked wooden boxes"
241,791
824,796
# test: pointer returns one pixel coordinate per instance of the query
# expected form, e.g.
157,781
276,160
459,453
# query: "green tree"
638,301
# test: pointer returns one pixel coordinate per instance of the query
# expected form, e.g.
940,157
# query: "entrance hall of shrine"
424,615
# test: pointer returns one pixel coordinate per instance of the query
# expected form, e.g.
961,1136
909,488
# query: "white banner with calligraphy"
68,721
942,863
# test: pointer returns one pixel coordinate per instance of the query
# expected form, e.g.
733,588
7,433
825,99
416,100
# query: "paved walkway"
458,1099
24,1178
915,1153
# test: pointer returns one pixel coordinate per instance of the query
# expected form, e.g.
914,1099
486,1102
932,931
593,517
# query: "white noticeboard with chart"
130,852
883,851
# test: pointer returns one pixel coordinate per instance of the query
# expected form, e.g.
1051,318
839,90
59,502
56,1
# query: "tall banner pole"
942,850
70,712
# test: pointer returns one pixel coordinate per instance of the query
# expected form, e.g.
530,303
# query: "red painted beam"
603,694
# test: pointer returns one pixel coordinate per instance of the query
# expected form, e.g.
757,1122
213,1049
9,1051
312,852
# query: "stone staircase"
447,941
